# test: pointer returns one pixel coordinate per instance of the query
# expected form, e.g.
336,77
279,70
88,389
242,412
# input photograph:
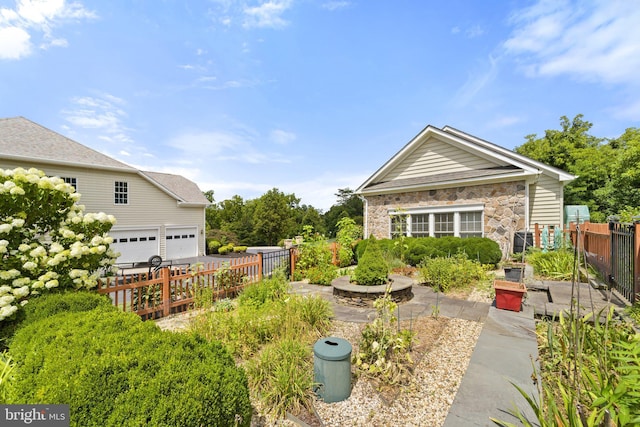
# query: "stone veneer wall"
504,208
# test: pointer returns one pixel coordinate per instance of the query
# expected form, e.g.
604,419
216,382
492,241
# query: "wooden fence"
172,289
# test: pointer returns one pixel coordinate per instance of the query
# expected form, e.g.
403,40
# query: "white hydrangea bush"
46,239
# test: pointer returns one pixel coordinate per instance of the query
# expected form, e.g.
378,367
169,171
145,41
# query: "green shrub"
414,250
213,246
113,370
419,251
239,249
49,304
348,233
481,249
451,272
322,275
315,258
372,269
270,289
224,250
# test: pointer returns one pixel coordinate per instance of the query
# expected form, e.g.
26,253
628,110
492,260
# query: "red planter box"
509,294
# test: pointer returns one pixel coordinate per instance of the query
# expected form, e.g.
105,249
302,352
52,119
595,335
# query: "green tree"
574,150
308,215
212,212
623,189
349,205
273,217
46,239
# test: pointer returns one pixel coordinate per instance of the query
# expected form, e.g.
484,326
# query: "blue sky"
310,96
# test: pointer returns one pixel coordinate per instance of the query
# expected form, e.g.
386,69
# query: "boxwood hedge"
415,249
49,304
115,370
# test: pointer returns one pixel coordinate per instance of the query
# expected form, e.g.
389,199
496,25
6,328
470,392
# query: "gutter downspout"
365,214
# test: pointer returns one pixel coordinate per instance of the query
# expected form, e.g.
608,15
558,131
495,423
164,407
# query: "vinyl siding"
148,205
545,202
435,157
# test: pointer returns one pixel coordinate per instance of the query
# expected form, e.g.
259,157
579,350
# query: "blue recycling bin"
332,369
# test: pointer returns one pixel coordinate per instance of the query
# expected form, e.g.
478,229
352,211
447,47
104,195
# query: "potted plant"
509,294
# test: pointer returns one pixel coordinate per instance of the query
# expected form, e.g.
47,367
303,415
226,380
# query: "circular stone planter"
349,293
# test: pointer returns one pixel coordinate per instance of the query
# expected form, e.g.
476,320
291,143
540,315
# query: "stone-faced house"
445,182
157,213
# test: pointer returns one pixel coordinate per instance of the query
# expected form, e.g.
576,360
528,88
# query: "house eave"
27,160
523,176
193,205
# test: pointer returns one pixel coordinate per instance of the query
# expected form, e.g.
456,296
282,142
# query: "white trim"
439,209
431,211
508,177
471,144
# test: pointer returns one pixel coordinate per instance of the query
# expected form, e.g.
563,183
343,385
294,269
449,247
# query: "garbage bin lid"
332,348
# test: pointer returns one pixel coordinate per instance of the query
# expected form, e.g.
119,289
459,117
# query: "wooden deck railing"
595,240
175,289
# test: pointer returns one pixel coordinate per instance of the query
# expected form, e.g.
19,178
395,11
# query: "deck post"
166,294
636,266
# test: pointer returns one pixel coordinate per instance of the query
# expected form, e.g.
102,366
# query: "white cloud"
36,18
267,15
597,41
503,122
282,137
475,31
103,113
335,5
629,111
15,43
471,32
318,191
476,82
223,146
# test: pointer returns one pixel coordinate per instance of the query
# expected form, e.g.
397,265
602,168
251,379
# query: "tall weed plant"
383,352
272,332
314,258
557,265
447,273
589,374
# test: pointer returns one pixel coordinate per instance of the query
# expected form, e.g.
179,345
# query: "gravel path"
424,402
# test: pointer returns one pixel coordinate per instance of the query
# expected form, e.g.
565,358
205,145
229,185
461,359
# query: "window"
398,226
470,224
72,181
438,221
443,224
121,193
420,225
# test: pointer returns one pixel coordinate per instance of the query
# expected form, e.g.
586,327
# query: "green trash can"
332,369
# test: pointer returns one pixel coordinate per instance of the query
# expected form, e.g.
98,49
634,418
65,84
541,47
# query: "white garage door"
182,242
135,245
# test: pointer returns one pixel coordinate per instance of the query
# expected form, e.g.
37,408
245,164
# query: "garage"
135,245
182,242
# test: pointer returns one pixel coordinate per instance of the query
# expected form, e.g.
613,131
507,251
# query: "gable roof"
186,191
490,163
22,139
26,141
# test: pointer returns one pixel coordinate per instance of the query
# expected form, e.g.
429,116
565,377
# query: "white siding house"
157,213
447,182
